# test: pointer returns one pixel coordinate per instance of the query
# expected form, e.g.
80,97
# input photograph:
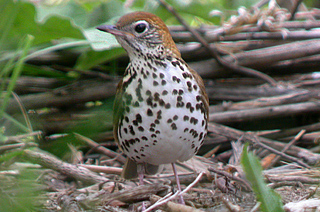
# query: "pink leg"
181,200
140,170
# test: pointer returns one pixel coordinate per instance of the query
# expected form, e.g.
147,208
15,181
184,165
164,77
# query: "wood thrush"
161,107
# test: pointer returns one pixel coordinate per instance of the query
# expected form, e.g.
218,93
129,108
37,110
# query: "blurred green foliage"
71,24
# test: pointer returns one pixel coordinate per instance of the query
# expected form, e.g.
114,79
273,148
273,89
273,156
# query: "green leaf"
68,9
107,12
99,41
25,23
270,201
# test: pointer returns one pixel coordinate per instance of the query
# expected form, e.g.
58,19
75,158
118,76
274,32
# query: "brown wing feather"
117,111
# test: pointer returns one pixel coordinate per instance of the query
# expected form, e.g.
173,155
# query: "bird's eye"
140,27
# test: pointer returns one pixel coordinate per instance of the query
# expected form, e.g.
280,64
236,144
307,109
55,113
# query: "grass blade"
270,201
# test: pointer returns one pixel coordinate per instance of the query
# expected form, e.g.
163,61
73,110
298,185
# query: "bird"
160,113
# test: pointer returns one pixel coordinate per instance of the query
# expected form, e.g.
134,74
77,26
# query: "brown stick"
264,57
233,134
292,142
78,92
101,149
243,184
264,112
73,171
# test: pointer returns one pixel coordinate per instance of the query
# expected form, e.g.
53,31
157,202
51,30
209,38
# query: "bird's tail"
130,169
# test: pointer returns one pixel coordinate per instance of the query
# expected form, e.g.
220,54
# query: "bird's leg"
140,170
181,200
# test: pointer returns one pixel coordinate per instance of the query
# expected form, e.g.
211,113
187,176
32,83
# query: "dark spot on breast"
186,75
144,138
159,114
131,130
136,104
198,98
138,118
198,106
165,92
155,83
193,120
149,101
173,126
163,82
141,129
128,98
174,92
149,112
175,117
185,118
200,136
169,121
176,79
195,87
167,106
156,96
180,104
189,84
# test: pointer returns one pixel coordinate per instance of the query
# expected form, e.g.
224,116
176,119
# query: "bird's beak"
111,29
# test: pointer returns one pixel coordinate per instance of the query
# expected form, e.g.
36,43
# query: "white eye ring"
141,26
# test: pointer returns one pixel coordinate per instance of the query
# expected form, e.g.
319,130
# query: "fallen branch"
73,171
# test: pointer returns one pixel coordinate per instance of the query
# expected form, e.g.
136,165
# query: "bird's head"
143,33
